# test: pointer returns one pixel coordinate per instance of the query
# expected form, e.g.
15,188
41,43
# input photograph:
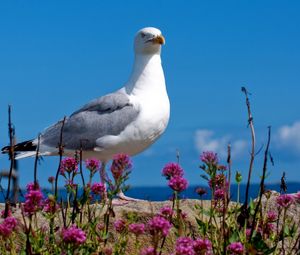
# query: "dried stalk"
253,142
36,162
229,169
262,183
80,165
11,132
60,152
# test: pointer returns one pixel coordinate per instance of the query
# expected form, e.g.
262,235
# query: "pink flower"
235,248
73,235
33,202
68,165
8,226
98,188
184,246
166,211
92,165
200,191
50,206
100,226
202,247
285,200
34,196
30,186
248,232
148,251
172,169
184,215
120,225
137,229
3,213
71,185
218,182
209,157
178,183
159,225
10,222
219,194
120,164
297,196
51,179
272,216
269,229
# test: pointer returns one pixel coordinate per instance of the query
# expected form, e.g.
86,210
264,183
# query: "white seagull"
127,121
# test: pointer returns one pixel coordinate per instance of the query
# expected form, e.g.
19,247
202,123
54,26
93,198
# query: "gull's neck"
147,74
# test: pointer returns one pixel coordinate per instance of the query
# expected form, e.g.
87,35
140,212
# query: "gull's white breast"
146,129
147,93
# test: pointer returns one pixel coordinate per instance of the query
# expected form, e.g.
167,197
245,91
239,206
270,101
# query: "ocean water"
165,193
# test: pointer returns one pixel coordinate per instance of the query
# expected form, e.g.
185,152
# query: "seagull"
128,120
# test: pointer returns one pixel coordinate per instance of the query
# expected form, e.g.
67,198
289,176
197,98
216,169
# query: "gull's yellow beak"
159,39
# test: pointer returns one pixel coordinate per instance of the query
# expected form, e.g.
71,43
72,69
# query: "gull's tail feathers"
22,150
26,154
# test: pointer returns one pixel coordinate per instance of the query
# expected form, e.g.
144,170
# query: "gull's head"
148,41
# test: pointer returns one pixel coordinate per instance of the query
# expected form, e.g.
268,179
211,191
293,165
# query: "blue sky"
57,55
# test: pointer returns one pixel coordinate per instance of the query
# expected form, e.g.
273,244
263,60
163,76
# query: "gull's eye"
143,35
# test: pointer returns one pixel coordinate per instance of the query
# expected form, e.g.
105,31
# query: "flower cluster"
32,186
9,213
202,247
51,179
178,183
98,188
120,164
174,173
166,212
8,226
201,191
209,158
50,206
149,251
93,165
297,197
184,246
218,182
219,194
285,200
172,169
188,246
137,228
73,235
271,216
69,165
34,199
70,185
268,229
235,248
159,225
120,225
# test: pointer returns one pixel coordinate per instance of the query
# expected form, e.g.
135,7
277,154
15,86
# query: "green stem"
283,227
238,194
178,213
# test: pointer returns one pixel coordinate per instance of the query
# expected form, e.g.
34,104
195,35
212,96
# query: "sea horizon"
162,193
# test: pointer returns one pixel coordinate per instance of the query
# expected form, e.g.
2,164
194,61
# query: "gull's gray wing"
107,115
106,104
